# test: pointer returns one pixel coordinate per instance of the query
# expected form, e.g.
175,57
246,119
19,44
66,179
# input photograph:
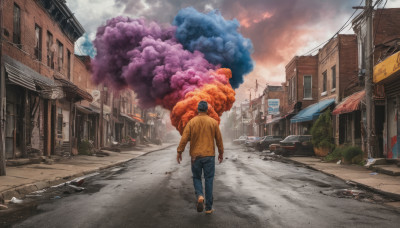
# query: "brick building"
302,86
274,124
338,78
386,36
36,68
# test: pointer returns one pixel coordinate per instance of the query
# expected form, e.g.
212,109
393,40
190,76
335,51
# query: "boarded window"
307,87
38,43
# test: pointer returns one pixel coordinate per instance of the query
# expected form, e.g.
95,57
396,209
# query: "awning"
22,75
350,104
312,112
18,77
273,120
86,110
128,117
137,119
73,91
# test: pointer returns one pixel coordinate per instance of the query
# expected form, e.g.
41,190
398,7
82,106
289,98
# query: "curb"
32,187
350,182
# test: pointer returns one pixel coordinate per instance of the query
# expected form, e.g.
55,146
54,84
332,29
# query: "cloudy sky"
279,29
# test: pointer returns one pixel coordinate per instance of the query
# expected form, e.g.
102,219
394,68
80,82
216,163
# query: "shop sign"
386,68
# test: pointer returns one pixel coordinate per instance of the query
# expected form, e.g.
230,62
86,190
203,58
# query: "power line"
341,29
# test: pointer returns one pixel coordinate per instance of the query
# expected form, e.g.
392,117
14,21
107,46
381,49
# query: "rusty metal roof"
72,90
350,104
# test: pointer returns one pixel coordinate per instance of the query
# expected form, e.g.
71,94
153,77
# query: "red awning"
350,104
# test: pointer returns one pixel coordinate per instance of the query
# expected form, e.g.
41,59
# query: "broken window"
60,57
50,51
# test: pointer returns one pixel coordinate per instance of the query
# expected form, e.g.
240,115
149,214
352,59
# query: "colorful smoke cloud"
174,66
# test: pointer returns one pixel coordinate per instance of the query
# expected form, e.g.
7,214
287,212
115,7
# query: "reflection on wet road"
154,191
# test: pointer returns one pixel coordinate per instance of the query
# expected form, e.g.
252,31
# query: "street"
154,191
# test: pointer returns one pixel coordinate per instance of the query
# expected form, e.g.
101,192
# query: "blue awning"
311,112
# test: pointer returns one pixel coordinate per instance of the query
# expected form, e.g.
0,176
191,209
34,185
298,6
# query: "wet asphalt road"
154,191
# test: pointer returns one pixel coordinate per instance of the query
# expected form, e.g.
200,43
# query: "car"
241,140
268,140
296,145
252,141
274,147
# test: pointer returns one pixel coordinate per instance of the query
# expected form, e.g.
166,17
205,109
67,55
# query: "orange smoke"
219,96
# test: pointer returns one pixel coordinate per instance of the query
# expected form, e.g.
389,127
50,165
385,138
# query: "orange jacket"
201,132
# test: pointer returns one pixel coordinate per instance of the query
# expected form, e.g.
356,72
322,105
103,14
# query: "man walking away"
201,132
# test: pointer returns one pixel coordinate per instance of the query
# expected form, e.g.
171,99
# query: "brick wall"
307,65
348,69
33,14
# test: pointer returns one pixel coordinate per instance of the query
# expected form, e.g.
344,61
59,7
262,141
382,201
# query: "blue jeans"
206,164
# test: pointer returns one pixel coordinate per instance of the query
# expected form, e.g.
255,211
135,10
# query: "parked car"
274,147
266,141
241,140
296,145
252,141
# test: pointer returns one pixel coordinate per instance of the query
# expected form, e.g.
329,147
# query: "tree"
321,131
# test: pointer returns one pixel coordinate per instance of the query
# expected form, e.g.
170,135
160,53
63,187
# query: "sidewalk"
24,179
359,175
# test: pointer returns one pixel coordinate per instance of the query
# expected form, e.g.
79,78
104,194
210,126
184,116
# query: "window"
307,86
69,64
38,43
293,88
324,82
334,77
50,51
17,26
60,57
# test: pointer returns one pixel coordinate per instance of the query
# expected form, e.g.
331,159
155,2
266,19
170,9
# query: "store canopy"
312,112
350,104
274,120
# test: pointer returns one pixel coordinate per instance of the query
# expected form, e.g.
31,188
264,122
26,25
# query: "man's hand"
179,158
220,158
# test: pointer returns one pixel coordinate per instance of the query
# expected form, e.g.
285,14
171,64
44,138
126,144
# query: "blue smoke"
218,39
86,47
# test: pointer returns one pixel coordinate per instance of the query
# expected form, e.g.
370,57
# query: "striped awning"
350,104
18,77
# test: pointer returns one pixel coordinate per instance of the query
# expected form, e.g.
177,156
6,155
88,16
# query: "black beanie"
202,107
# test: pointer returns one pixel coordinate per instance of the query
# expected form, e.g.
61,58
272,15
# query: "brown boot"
200,204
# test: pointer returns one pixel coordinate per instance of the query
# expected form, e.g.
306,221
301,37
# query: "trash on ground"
339,162
370,162
16,201
57,197
32,196
3,207
77,182
373,173
76,188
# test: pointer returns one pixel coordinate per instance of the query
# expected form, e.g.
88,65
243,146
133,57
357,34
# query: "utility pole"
368,77
101,121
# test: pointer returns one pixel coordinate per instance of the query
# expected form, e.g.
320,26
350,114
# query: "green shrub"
85,148
349,153
334,156
321,131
